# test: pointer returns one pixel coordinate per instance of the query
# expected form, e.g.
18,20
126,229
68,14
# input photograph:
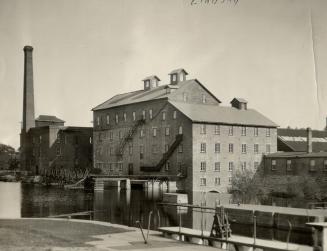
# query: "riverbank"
40,234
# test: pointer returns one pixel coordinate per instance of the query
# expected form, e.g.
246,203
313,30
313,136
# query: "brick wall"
224,157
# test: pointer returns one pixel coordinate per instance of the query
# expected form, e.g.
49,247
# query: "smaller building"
58,151
294,167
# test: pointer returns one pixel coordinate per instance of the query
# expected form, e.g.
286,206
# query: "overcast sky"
87,51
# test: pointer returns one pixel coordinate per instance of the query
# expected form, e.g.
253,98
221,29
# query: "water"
125,207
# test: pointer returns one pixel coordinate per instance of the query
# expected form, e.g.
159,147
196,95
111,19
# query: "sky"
273,53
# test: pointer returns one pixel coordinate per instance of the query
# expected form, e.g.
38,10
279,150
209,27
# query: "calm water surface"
126,207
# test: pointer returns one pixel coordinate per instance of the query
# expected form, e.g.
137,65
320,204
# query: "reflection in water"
10,197
124,207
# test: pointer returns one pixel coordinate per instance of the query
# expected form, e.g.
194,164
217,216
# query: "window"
204,98
134,116
243,166
154,149
203,129
273,165
256,131
180,130
111,136
111,151
268,148
203,166
267,132
231,148
217,181
163,115
256,165
230,166
174,77
120,134
243,148
147,83
150,113
141,152
288,165
130,149
125,116
166,148
325,165
108,120
217,129
111,167
167,166
185,97
243,131
312,165
203,148
203,181
154,130
98,121
180,148
58,151
174,114
230,131
256,148
230,180
117,119
167,131
181,77
217,166
143,114
120,167
179,165
217,148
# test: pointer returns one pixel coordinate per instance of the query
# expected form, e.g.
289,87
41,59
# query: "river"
126,207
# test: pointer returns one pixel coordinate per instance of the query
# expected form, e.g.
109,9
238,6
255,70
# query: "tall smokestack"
28,102
309,140
28,107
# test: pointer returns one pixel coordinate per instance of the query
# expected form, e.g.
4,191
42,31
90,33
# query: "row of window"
244,147
203,181
143,115
154,149
289,165
244,130
217,166
155,133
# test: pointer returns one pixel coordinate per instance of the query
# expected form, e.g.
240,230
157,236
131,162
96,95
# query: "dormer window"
151,82
174,77
147,84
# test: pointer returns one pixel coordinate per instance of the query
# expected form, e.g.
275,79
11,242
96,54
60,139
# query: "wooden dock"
240,242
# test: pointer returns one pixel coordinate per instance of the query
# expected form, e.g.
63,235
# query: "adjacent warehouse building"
181,132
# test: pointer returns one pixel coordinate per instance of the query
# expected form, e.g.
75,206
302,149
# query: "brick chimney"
309,140
28,107
28,95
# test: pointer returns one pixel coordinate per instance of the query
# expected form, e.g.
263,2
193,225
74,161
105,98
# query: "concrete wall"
224,157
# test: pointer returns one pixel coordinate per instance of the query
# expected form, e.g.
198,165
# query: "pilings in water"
103,183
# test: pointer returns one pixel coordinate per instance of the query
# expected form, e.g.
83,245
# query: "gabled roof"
222,115
240,100
151,77
147,95
178,71
296,139
49,118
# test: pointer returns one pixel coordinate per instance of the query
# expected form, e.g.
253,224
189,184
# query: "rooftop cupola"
239,103
151,82
177,76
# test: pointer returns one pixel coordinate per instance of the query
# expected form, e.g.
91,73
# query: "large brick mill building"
180,131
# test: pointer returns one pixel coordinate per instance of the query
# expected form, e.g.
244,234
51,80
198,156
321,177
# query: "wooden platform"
236,240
